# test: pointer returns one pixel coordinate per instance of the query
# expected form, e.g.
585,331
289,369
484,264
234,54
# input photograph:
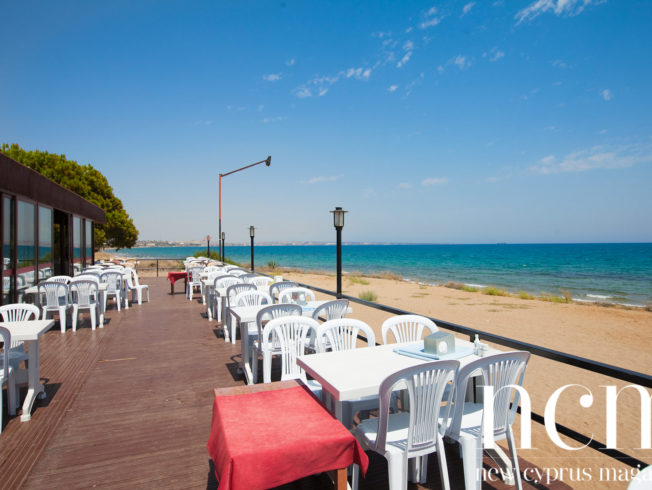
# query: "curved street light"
267,162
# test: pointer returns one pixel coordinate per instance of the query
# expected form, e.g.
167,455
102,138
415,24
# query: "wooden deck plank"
129,406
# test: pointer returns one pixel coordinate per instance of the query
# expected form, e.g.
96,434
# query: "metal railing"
554,355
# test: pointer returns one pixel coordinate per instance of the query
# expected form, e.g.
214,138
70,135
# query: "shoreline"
490,290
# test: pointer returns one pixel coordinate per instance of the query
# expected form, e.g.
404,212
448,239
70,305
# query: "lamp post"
251,234
208,246
222,253
267,162
338,221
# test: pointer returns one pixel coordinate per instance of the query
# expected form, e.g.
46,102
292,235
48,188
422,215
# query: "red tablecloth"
262,440
175,276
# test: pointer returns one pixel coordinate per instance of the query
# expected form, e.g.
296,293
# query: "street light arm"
267,161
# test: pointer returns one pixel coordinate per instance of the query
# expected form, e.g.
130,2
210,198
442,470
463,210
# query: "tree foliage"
119,230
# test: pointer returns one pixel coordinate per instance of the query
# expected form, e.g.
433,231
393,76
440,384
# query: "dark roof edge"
16,178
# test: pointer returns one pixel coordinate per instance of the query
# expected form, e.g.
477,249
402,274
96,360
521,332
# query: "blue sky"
440,122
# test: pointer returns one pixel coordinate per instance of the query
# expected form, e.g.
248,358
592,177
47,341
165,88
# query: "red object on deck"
265,439
175,276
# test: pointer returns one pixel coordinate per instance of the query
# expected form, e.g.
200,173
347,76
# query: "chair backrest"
252,298
85,276
61,279
258,281
91,272
425,385
19,312
331,310
225,281
193,275
276,288
5,336
55,293
84,293
342,334
293,334
238,272
296,295
407,328
112,279
498,371
235,289
276,311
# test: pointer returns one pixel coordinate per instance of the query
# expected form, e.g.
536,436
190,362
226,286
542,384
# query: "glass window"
44,243
7,250
26,241
89,242
76,245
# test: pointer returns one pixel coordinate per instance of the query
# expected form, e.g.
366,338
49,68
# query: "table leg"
171,287
339,482
244,344
101,307
35,388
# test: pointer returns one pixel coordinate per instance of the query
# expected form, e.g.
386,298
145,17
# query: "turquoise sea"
611,272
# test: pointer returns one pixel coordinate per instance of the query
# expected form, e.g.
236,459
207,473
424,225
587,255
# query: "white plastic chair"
7,375
61,279
276,288
331,310
261,282
194,281
56,300
238,272
113,282
263,316
231,293
223,281
85,295
413,434
135,287
466,422
292,334
296,295
18,312
407,328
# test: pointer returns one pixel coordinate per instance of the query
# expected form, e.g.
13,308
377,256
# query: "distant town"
202,243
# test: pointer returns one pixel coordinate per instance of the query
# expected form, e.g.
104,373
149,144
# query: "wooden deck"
129,406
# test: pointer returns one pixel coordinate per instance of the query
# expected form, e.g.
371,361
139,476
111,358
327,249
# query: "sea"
594,272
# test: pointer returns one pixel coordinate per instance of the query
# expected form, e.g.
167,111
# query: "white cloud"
260,107
357,73
497,55
404,60
461,62
491,180
467,8
596,157
430,19
302,92
607,95
408,46
267,120
368,193
272,77
205,122
559,64
558,7
321,178
604,131
290,62
392,88
434,181
404,185
320,85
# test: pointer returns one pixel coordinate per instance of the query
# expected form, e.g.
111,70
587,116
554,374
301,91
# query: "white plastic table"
247,314
29,331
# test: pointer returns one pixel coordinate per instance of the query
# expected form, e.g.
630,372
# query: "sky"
429,122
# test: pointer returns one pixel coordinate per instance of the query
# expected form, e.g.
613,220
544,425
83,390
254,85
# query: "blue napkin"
416,350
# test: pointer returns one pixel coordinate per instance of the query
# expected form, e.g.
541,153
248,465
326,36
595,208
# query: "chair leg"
253,359
75,315
472,461
12,399
62,319
514,457
147,289
267,366
355,476
397,471
118,300
93,312
140,296
443,467
233,328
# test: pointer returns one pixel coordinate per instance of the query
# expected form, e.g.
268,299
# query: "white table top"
29,330
355,373
248,313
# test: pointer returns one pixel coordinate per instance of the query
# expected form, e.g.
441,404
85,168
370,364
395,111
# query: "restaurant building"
45,229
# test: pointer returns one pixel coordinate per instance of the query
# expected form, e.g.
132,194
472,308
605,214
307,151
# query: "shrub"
494,291
524,295
272,264
368,296
461,287
358,280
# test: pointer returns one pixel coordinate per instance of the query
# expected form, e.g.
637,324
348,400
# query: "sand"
615,336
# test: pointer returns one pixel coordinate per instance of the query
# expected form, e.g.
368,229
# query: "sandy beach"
612,335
